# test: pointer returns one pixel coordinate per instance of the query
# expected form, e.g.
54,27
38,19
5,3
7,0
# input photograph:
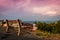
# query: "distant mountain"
1,16
31,22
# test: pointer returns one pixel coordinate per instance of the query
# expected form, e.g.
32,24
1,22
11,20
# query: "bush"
52,27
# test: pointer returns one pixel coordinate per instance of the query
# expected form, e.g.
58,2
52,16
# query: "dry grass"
47,35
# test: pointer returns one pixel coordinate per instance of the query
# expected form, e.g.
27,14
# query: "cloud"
44,9
2,8
27,3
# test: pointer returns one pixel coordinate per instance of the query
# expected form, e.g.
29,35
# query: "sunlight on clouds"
40,9
46,10
51,12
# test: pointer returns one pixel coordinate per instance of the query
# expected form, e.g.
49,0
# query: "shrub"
52,27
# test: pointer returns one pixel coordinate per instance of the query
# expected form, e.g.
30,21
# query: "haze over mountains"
54,18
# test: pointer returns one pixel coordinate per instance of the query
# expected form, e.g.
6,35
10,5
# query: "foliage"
49,27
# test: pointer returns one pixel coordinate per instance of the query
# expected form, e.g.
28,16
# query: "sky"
30,10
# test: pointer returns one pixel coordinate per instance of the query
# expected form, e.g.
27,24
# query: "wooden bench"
13,26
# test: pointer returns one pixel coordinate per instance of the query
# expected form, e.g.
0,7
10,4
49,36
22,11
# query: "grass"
46,35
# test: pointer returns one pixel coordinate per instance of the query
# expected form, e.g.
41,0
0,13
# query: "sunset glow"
26,8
